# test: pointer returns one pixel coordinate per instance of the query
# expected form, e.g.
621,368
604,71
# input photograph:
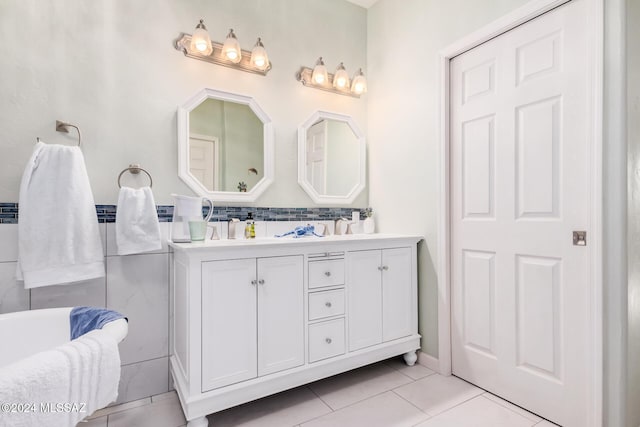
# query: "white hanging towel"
137,226
58,237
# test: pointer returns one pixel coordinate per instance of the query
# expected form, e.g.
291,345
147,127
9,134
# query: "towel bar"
64,127
135,169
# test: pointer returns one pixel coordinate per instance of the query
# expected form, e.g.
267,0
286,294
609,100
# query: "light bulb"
231,48
359,83
319,75
259,57
341,78
200,40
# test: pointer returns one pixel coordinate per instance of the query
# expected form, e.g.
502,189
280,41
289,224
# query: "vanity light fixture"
359,84
231,48
341,78
339,82
200,41
229,54
259,57
320,75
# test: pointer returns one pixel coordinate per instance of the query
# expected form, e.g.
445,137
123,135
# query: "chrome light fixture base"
304,77
183,44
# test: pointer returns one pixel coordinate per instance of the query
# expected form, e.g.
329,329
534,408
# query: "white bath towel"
65,385
58,236
137,226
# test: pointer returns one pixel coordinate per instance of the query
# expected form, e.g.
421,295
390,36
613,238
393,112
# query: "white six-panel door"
519,188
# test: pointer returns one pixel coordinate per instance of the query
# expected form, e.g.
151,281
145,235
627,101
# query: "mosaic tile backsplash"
107,213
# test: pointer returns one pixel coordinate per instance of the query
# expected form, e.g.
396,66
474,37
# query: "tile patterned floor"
386,394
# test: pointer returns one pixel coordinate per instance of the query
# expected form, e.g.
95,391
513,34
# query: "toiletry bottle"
247,228
252,230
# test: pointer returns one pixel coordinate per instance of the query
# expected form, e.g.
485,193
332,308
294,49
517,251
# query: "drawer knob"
328,340
328,304
261,282
327,273
253,282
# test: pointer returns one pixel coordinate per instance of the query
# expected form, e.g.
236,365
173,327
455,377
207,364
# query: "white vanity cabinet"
254,306
380,290
256,317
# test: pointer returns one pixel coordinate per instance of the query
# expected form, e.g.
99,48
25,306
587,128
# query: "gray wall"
109,66
403,130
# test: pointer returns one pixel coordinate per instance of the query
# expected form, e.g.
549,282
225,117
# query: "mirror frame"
302,164
183,147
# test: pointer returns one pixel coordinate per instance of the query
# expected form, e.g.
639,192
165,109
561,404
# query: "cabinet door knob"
261,282
385,268
253,282
327,273
328,304
380,268
328,340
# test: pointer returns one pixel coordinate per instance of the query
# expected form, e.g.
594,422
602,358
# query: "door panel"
280,314
364,294
396,293
229,323
519,187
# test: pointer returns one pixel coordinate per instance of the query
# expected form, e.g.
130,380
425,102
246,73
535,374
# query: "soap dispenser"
250,227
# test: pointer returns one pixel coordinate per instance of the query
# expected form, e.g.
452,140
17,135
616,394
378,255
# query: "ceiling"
364,3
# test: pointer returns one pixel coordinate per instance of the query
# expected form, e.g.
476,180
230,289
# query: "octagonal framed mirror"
225,146
331,158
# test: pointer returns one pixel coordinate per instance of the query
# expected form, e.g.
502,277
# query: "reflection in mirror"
225,146
331,158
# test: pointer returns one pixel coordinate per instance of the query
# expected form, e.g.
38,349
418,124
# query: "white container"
368,225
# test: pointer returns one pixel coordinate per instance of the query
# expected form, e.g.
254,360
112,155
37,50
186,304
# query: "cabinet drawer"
326,273
326,340
326,304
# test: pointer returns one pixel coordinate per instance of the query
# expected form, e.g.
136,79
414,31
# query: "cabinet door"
280,313
364,294
228,322
396,293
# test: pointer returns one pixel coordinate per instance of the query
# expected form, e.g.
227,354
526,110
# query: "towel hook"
64,127
135,169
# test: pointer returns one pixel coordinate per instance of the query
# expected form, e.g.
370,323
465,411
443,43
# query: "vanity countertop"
290,241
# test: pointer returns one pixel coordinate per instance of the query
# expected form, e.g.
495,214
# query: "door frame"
595,72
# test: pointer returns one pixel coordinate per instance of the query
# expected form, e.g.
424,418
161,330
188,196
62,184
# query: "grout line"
412,404
321,399
511,409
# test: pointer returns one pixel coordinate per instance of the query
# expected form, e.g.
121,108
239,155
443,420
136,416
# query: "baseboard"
428,361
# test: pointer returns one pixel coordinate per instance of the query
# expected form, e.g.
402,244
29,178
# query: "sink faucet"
338,227
231,233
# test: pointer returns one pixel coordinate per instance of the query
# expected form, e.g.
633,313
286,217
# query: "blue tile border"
107,213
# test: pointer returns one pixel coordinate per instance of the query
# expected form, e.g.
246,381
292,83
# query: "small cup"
197,230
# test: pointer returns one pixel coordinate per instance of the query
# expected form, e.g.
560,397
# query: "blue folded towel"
308,230
86,319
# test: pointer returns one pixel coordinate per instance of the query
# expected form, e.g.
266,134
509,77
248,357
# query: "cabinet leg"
198,422
409,358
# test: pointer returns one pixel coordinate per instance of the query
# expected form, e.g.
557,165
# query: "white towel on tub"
58,236
137,226
66,384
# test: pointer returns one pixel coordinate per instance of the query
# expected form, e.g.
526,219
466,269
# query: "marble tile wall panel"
143,379
13,296
89,293
138,287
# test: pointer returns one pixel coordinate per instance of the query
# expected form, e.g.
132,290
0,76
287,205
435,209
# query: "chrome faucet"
338,226
231,232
